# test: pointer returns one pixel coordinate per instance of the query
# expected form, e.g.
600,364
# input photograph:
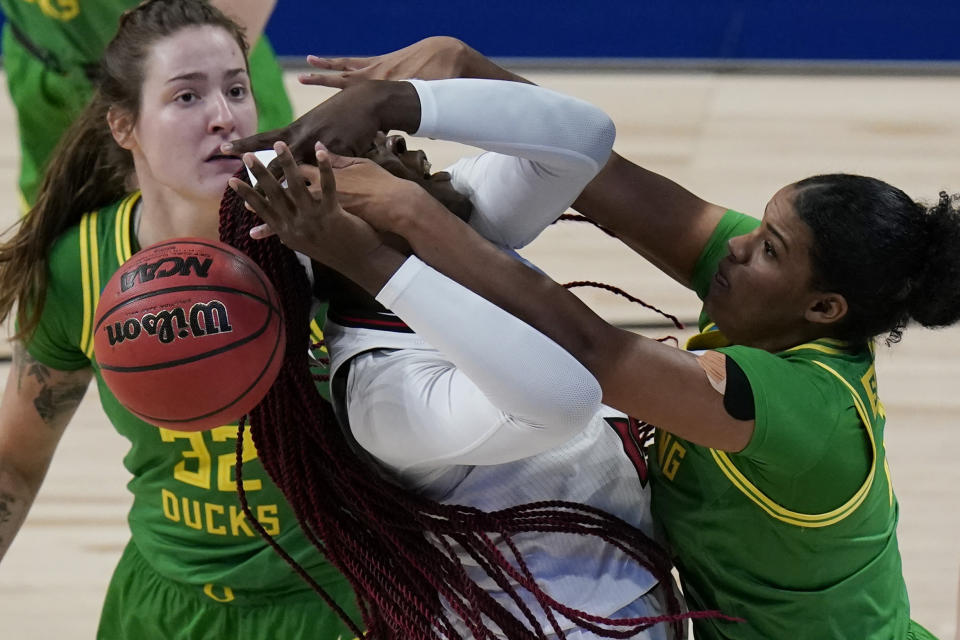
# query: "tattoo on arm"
53,400
5,501
54,397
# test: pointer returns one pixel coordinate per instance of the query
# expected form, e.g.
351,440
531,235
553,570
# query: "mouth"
220,157
720,278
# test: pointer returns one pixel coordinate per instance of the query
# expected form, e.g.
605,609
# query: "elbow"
599,138
576,401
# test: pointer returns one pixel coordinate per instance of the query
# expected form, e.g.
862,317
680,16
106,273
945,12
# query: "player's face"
763,289
391,153
196,96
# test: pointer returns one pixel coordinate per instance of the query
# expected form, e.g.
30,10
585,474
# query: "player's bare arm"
655,216
38,402
633,370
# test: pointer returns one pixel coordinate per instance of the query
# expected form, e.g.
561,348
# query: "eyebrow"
779,236
199,75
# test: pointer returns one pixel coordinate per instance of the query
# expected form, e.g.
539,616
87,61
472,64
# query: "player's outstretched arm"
38,402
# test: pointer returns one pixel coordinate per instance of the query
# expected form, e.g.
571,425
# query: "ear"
826,308
121,126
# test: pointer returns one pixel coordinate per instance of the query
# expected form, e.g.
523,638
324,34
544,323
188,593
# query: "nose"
739,248
397,144
222,117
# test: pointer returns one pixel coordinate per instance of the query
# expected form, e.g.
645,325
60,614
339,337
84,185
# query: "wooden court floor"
734,139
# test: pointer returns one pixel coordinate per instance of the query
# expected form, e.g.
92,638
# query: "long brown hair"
88,169
401,552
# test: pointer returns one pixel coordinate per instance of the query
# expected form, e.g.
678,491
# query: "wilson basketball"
189,334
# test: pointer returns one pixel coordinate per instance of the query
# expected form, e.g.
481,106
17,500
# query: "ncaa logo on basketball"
204,319
170,266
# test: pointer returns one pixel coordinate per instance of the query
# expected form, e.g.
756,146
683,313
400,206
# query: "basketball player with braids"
173,86
769,471
451,419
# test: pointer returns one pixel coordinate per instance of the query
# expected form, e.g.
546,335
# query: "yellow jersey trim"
796,518
89,278
316,333
122,230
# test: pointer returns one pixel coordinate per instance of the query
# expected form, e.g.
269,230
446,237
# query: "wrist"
413,213
397,106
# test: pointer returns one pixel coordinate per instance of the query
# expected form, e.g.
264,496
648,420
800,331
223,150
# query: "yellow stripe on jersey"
807,520
316,333
122,229
94,246
817,346
89,278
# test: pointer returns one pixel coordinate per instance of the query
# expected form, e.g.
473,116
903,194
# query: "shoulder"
75,274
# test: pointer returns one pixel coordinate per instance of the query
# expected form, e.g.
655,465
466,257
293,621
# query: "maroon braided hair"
399,550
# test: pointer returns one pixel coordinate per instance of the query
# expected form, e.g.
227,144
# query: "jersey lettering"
196,468
217,519
629,431
869,382
669,454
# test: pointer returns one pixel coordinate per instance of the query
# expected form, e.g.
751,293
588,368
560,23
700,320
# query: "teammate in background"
468,416
769,471
174,86
51,52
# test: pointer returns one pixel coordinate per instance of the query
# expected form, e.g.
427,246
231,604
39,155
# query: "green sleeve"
731,225
808,445
56,341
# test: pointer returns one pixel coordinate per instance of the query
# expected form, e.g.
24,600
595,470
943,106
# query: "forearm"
252,15
38,402
521,371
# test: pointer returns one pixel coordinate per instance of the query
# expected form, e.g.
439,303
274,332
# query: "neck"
782,342
166,214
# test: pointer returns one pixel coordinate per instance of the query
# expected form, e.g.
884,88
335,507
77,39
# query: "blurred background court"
729,126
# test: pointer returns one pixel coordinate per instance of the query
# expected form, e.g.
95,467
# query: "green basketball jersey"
186,520
75,31
796,534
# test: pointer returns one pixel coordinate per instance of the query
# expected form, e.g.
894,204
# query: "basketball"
189,334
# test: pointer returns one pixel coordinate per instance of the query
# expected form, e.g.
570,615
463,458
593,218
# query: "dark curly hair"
893,260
